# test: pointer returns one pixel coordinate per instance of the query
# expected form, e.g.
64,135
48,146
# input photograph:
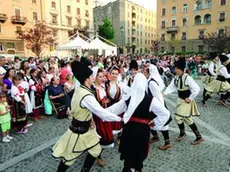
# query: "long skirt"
19,116
105,130
134,144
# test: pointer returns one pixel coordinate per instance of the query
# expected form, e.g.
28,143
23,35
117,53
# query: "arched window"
197,20
198,5
207,19
184,21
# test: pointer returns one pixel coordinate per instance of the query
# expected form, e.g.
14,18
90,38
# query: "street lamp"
122,38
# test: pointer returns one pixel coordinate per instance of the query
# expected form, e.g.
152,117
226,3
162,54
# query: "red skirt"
104,129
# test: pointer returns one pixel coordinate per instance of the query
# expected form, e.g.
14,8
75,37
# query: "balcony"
172,29
81,28
133,36
3,18
18,20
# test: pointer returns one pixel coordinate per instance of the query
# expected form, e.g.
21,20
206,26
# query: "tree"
106,30
217,42
37,38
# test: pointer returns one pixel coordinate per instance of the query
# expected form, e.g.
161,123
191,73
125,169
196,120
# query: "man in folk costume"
154,88
221,84
212,67
133,68
81,135
186,106
139,109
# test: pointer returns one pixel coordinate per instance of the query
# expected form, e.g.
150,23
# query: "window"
145,41
174,10
17,12
208,3
201,34
1,47
183,49
163,1
198,20
162,37
207,19
54,19
86,2
222,17
184,22
10,45
183,37
200,48
68,9
221,32
53,5
18,28
163,12
86,13
162,24
78,23
69,21
54,33
141,33
78,11
0,28
222,2
34,1
185,8
78,0
173,23
173,36
35,16
198,5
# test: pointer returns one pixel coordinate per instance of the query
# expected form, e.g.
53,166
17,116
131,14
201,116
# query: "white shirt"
92,104
224,72
194,88
156,91
211,69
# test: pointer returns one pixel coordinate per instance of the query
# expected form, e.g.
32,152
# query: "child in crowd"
5,119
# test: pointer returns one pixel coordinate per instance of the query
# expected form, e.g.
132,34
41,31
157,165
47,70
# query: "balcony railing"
18,20
201,7
3,17
172,29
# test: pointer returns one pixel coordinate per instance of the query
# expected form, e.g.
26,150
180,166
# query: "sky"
150,4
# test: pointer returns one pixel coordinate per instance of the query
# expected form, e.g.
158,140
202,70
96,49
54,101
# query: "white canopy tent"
99,45
77,43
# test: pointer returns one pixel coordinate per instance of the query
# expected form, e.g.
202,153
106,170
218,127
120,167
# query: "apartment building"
182,24
134,25
62,16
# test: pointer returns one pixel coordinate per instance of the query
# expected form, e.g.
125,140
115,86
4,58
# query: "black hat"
85,61
133,65
223,58
81,71
180,64
213,55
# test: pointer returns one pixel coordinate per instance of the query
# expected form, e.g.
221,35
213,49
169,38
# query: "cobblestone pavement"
32,152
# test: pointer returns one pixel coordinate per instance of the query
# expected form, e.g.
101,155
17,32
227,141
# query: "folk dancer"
154,87
221,84
186,105
81,135
133,68
139,109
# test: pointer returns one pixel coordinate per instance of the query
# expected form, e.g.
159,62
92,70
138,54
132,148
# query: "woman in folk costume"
133,68
81,135
139,109
113,92
21,105
155,85
186,106
221,83
103,128
35,94
212,67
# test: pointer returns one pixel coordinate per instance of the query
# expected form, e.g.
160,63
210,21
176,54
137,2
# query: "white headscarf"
137,94
154,73
95,70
